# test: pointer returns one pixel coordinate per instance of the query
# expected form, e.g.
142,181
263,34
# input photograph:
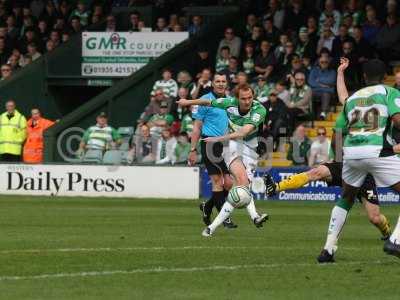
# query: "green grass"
158,243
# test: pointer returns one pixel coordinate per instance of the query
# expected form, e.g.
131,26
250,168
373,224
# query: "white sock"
225,212
395,237
251,209
338,218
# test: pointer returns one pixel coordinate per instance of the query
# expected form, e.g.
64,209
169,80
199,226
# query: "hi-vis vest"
12,133
33,148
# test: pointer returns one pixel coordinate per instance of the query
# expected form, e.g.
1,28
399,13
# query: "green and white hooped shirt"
255,116
368,115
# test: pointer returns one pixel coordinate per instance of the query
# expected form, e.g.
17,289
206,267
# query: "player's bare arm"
193,142
343,94
185,102
243,132
396,133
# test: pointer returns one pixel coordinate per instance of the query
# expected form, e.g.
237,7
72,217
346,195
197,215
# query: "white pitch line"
177,270
109,249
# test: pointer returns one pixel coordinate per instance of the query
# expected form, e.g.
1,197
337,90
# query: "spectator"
241,78
285,58
262,89
134,18
296,65
142,147
312,29
231,71
352,10
201,61
99,137
397,81
111,24
319,152
176,111
338,41
37,7
276,121
182,149
203,86
251,21
283,93
295,16
280,48
322,81
362,47
55,37
43,32
353,71
158,122
276,12
265,61
64,10
184,79
165,148
60,23
326,40
65,36
248,60
167,84
371,26
388,40
196,26
6,71
231,41
187,121
306,46
256,37
299,103
271,33
12,133
223,59
34,145
161,25
49,13
173,21
299,147
13,62
50,46
12,30
81,12
330,11
76,25
33,52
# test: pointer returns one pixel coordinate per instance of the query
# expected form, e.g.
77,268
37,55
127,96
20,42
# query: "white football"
239,196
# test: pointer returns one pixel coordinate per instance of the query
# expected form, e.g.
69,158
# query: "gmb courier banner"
314,191
119,54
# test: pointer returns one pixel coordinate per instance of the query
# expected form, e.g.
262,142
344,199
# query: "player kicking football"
245,116
331,172
373,123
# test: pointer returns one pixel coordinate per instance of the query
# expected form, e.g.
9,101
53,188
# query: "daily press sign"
99,180
117,54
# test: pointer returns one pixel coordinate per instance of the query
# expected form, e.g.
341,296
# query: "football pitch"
82,248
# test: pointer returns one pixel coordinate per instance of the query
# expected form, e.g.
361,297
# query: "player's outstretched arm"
343,94
185,102
241,133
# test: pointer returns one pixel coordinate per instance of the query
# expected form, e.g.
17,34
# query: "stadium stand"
273,39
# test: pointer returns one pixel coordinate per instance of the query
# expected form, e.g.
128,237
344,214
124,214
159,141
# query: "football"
239,196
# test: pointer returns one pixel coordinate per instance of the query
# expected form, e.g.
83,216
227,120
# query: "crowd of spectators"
289,52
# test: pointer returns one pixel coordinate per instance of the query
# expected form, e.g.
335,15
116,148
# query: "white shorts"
385,170
247,155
